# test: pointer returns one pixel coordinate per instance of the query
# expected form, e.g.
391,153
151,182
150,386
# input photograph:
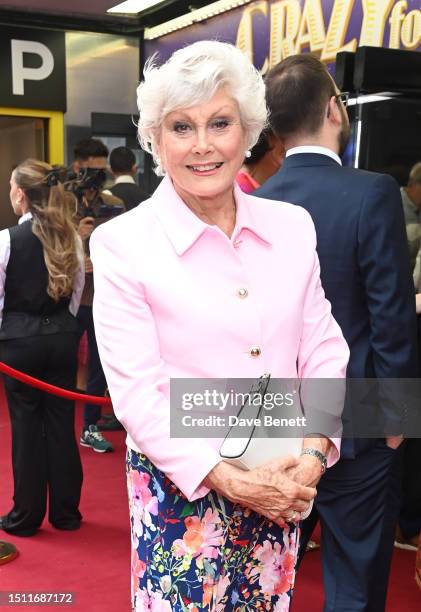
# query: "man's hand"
394,442
86,227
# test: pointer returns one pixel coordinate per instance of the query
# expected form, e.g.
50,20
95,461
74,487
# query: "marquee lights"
216,8
133,6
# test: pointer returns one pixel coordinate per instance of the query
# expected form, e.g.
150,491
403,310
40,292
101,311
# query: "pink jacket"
167,304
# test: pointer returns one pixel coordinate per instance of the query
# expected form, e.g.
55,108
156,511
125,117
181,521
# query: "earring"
248,153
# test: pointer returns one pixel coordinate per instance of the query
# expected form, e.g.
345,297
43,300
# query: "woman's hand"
267,489
307,472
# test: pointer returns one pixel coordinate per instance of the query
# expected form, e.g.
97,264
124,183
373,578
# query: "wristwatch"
318,454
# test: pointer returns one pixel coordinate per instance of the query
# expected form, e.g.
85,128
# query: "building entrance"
20,138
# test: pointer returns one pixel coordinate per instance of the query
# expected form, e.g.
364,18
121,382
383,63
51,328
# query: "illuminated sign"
33,68
270,30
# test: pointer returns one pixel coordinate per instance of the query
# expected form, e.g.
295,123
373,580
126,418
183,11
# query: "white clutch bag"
254,450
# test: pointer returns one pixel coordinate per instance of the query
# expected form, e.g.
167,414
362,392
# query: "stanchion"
8,552
43,386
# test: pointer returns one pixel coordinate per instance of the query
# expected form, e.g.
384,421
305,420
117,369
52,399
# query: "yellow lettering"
395,20
245,29
312,27
284,23
374,20
411,30
338,26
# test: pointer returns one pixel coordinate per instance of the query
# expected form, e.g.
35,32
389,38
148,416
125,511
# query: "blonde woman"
41,280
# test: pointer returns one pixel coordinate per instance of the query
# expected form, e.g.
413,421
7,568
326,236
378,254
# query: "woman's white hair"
192,76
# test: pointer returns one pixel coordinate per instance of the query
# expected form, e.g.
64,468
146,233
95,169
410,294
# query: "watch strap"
318,454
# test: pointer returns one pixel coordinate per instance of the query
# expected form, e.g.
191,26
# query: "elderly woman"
203,281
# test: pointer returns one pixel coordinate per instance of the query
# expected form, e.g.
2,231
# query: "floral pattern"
208,554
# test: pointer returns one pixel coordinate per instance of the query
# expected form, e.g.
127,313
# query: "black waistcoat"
28,309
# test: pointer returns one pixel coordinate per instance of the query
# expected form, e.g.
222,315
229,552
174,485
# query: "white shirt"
314,149
124,178
4,260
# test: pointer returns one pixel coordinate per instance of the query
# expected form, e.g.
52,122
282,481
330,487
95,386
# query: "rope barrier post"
8,552
40,384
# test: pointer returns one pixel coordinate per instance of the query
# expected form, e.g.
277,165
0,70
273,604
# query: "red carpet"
403,596
94,562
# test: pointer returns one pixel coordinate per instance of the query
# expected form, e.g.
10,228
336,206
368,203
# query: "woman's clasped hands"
267,489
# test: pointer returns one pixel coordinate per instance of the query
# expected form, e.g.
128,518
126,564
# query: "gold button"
242,292
255,351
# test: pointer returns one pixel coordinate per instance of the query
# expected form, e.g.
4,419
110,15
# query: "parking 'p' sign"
33,68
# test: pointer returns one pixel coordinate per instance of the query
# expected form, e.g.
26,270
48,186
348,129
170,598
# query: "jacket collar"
308,159
184,228
315,149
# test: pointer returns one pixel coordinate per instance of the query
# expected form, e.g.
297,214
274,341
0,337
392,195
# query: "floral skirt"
209,554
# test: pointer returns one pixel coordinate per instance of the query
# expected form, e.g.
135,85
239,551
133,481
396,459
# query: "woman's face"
202,147
17,197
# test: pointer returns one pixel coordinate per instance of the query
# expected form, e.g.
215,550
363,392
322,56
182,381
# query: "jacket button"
242,292
46,321
255,351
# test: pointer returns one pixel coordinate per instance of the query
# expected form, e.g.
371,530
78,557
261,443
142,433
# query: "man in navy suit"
365,273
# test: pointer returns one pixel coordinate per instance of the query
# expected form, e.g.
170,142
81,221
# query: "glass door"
20,138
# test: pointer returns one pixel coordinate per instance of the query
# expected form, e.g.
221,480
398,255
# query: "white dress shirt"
4,260
314,149
123,178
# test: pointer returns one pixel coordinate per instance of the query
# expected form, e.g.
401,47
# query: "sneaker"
94,438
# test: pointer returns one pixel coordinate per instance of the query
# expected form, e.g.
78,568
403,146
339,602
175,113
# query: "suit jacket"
168,304
130,193
361,243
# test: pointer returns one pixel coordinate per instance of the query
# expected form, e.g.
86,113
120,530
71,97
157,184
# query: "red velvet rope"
40,384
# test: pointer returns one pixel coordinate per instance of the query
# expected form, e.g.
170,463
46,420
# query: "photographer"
94,207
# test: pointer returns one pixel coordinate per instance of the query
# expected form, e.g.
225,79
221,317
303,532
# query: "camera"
86,178
92,180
